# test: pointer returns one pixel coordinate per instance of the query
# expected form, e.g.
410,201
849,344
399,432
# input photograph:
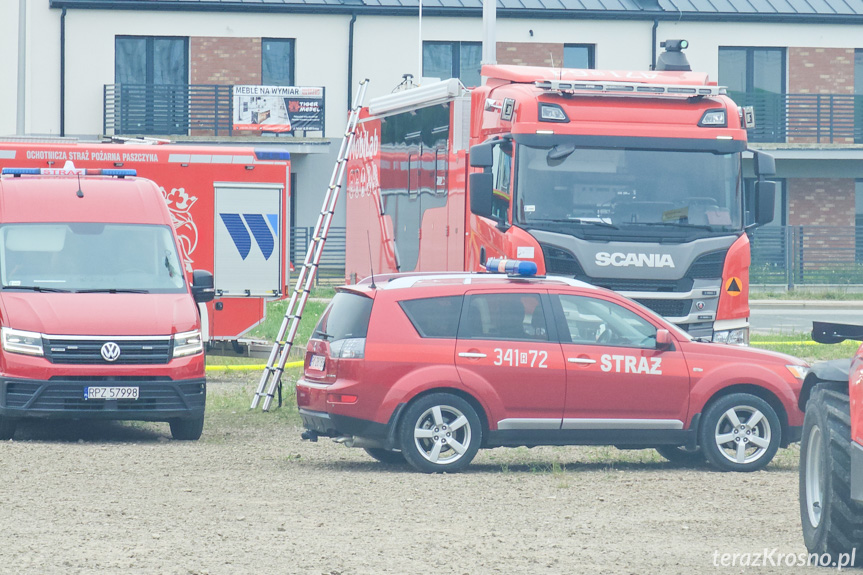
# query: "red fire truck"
626,180
229,206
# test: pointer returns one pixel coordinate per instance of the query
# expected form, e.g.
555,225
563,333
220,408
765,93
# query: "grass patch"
831,294
802,346
269,329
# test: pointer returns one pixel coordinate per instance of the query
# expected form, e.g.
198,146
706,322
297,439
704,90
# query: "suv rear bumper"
160,399
333,425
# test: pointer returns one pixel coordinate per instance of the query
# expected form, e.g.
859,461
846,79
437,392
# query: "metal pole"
22,64
489,41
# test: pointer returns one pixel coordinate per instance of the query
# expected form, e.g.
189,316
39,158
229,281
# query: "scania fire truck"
627,180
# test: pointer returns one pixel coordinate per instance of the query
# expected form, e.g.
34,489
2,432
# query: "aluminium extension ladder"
272,375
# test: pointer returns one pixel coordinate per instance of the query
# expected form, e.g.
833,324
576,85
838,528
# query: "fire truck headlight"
738,336
188,343
552,113
17,341
713,119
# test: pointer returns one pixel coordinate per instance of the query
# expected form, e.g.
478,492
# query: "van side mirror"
663,339
764,164
481,155
202,286
481,194
765,200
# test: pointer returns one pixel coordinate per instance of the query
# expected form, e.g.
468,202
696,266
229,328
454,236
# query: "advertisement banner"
279,108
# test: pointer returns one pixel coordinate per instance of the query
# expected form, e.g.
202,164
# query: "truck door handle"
583,360
472,355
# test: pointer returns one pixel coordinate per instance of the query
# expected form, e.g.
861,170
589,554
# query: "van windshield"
89,257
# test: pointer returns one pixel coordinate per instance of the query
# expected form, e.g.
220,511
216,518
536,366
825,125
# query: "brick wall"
821,71
531,54
225,60
823,202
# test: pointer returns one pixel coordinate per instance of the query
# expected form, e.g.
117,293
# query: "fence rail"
167,109
331,270
793,255
804,118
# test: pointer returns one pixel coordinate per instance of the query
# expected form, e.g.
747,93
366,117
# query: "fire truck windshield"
89,257
654,191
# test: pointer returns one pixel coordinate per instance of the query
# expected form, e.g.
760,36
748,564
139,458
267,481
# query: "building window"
756,77
277,62
460,60
152,77
579,56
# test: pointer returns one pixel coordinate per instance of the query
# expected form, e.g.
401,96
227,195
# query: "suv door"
507,353
615,376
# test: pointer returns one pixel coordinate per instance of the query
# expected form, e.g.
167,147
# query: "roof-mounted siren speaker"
673,59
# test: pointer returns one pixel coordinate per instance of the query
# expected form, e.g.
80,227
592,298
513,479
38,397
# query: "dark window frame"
150,54
420,324
543,305
591,54
455,48
293,60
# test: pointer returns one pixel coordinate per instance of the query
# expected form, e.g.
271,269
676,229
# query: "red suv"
430,368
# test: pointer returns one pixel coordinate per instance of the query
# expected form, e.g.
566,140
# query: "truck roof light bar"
630,88
264,154
67,170
511,267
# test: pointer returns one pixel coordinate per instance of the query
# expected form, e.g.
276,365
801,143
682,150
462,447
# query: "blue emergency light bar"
67,172
512,267
263,154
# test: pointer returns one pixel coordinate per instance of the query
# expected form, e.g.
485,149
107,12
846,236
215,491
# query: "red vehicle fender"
726,376
443,378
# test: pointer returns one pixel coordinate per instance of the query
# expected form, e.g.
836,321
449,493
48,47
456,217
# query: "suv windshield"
89,257
654,191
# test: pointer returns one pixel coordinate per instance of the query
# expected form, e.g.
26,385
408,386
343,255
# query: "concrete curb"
767,304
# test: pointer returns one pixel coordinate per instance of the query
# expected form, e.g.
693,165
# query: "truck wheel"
7,427
440,432
832,521
681,455
187,429
740,432
386,456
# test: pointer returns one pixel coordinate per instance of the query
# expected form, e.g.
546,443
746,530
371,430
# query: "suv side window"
347,317
434,316
517,316
593,321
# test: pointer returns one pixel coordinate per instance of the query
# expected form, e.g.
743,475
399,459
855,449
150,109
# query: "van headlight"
17,341
188,343
738,336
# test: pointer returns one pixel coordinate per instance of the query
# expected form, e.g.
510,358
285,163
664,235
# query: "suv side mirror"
202,286
765,199
481,194
663,339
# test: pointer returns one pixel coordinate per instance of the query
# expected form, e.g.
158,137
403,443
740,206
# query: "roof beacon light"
68,169
511,267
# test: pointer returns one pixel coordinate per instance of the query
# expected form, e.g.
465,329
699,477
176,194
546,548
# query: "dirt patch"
251,497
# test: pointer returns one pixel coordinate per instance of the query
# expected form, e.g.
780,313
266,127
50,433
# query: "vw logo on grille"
111,351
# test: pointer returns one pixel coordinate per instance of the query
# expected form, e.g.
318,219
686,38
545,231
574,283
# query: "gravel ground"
251,497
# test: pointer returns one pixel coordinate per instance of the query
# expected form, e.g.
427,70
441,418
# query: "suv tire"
187,429
740,432
832,522
430,428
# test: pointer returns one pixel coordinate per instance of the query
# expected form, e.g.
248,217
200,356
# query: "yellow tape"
248,367
757,343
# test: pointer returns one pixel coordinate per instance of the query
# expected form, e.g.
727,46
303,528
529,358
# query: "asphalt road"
796,316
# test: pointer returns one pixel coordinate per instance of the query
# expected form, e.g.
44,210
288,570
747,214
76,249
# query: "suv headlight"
17,341
739,336
188,343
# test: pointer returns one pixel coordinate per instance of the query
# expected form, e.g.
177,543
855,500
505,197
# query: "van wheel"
7,427
740,432
681,455
187,429
440,432
386,456
832,522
